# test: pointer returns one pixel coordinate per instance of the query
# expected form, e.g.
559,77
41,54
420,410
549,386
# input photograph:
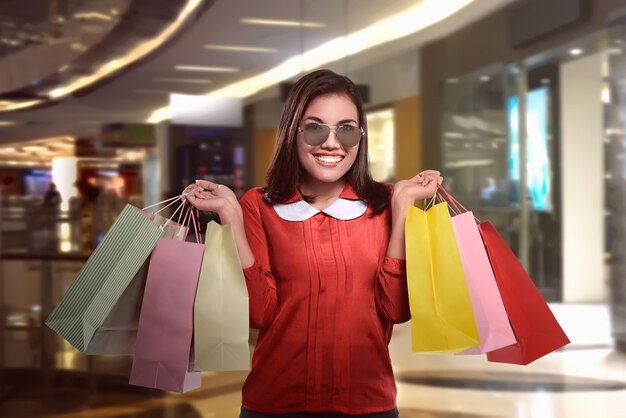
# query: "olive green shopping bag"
98,313
442,319
221,315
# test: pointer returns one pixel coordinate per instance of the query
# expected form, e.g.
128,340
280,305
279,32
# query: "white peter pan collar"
342,209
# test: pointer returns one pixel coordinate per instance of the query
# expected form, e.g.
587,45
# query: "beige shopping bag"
221,327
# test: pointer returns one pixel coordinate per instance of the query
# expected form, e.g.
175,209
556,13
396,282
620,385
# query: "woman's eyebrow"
316,119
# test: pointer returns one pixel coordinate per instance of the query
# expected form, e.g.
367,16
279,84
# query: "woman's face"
330,160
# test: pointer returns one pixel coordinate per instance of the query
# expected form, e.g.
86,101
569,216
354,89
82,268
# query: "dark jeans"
245,413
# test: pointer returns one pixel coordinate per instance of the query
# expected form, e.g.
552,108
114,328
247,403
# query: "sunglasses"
316,133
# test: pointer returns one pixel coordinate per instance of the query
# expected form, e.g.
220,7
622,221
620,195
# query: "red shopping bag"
536,329
163,355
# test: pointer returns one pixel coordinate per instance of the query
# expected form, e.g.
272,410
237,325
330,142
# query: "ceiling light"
575,51
485,78
275,22
92,15
452,80
545,81
606,93
35,148
77,46
182,80
454,135
202,68
6,105
9,123
422,15
238,48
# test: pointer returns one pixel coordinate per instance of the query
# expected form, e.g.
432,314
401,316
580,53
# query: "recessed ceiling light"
452,80
182,80
9,123
201,68
485,78
276,22
238,48
575,51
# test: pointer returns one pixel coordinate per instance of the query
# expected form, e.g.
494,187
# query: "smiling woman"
322,251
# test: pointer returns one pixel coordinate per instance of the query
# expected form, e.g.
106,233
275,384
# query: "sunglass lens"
349,135
315,133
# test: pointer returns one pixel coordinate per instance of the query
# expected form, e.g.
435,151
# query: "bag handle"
198,222
430,203
455,204
171,199
192,219
451,204
173,214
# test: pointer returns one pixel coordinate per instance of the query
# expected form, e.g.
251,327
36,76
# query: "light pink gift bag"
163,356
492,321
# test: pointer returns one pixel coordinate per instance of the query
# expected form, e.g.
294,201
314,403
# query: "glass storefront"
495,156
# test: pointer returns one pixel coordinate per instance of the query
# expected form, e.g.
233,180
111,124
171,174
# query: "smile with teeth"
330,159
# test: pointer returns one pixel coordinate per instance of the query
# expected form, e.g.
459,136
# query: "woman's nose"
331,142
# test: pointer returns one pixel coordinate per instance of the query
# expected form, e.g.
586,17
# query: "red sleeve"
392,294
259,280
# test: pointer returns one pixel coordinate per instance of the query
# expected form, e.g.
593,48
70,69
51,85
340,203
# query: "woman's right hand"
212,197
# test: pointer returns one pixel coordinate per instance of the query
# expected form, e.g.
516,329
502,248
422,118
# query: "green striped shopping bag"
97,312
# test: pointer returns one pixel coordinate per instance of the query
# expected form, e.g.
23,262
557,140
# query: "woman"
322,249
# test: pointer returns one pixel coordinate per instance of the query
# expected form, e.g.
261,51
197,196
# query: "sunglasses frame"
332,128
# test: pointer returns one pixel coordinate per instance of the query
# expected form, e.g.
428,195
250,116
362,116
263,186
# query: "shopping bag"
536,329
163,355
442,320
491,318
117,333
221,314
492,321
103,279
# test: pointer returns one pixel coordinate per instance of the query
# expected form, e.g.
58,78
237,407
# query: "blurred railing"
42,249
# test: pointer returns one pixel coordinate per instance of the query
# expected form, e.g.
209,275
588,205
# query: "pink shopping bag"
163,356
492,321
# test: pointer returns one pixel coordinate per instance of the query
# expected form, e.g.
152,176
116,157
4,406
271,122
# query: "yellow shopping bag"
442,320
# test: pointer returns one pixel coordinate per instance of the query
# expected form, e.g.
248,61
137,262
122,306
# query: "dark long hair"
285,172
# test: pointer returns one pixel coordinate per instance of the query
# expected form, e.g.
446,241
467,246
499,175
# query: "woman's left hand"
422,186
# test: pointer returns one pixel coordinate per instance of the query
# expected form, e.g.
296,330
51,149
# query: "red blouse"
325,298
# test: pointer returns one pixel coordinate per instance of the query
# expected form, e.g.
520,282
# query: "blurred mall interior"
521,104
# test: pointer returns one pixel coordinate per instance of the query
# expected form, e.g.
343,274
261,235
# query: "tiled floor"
587,379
